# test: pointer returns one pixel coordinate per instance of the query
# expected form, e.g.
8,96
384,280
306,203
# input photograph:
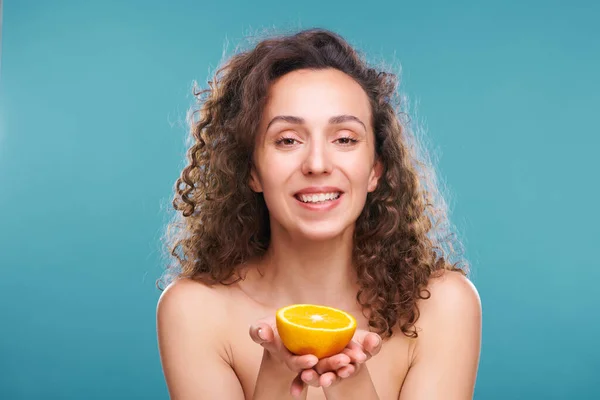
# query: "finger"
328,379
310,377
372,344
299,363
332,363
297,387
356,352
261,332
360,335
347,371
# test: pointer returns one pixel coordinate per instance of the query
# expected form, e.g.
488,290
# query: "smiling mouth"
318,198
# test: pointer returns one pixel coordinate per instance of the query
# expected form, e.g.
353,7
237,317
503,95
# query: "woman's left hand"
331,370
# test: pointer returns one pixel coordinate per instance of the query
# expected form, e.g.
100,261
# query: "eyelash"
280,141
351,140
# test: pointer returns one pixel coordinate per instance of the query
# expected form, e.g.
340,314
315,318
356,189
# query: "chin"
322,232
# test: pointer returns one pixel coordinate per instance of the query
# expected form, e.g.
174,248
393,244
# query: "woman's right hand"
264,332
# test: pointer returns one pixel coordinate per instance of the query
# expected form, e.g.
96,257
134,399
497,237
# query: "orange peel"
314,329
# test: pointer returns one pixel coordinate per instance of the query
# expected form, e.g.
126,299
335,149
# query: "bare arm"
359,385
191,322
192,355
446,356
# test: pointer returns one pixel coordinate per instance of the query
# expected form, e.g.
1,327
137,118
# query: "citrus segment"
313,329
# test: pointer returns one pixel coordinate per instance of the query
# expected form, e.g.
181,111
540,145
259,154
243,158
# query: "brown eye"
286,141
346,141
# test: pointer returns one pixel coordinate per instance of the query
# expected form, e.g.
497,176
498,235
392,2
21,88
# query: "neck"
304,271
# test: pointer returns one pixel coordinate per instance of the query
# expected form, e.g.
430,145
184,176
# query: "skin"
221,341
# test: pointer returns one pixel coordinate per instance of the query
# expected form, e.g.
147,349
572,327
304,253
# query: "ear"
254,182
374,176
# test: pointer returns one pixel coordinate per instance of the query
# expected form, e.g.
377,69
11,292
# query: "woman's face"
314,156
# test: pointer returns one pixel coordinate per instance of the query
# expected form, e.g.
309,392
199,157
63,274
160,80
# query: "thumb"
369,341
261,332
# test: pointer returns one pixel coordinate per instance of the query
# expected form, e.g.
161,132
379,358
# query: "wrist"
275,368
359,386
274,379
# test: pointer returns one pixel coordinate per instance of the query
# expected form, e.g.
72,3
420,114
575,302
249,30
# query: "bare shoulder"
191,308
191,322
186,296
452,295
448,346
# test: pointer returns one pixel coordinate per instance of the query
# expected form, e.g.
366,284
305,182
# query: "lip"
326,206
319,189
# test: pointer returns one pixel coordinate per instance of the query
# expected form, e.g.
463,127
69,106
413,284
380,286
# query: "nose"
317,160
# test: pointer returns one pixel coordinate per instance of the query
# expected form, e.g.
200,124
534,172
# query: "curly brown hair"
402,236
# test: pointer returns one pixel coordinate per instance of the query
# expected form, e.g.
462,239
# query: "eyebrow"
338,119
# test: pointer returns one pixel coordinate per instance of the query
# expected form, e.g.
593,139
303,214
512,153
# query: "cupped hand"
346,364
308,368
264,332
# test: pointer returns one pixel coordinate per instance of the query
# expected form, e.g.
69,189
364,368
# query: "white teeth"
315,198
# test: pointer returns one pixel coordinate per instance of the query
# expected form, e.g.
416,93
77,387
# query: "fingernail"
327,383
378,342
261,334
362,357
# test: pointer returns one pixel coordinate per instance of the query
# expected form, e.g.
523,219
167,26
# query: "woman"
302,187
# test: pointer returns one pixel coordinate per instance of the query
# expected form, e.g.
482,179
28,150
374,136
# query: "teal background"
93,97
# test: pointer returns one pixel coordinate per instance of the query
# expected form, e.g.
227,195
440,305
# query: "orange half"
312,329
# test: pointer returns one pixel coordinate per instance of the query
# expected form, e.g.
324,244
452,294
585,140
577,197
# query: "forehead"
316,95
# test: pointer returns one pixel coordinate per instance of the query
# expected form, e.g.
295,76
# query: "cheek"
358,174
276,173
274,177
